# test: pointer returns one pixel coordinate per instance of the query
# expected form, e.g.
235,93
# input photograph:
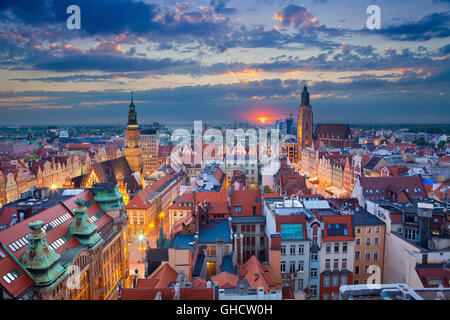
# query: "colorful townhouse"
336,255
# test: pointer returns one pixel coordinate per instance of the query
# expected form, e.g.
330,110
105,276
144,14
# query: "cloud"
296,16
436,25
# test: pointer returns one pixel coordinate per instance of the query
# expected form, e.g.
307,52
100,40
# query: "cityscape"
193,152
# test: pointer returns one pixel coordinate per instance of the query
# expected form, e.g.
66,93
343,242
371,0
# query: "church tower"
132,134
305,123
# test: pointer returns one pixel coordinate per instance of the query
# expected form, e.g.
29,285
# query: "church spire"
132,116
305,97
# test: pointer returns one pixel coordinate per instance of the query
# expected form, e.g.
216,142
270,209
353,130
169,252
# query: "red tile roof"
168,293
247,199
21,229
198,283
140,202
165,275
257,275
338,219
427,273
382,183
226,280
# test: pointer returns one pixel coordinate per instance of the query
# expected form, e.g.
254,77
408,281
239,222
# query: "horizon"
226,59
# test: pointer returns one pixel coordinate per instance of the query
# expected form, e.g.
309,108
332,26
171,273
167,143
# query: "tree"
267,189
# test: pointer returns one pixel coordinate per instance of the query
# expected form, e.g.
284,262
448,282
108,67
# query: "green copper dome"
83,228
39,259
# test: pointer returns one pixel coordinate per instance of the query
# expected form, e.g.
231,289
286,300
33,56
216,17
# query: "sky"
223,61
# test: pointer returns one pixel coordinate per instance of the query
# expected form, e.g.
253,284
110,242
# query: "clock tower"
132,134
305,123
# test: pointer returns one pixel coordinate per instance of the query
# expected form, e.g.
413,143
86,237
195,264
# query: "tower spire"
131,96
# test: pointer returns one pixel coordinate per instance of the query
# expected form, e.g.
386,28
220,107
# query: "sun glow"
262,119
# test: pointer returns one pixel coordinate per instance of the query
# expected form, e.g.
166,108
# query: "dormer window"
238,209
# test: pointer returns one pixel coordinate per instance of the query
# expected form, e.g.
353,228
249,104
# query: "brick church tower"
132,135
305,123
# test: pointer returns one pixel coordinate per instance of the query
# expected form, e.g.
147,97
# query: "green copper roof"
83,228
162,241
41,260
107,196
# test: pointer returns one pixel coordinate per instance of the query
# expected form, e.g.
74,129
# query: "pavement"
137,256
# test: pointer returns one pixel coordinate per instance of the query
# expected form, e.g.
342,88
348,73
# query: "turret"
40,259
83,228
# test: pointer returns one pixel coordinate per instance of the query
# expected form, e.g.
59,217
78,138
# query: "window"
313,273
367,254
344,247
369,230
328,248
283,250
367,241
356,269
313,290
314,256
211,268
292,250
12,275
336,264
356,282
261,228
335,281
301,266
326,282
292,266
238,209
336,247
358,230
301,249
283,266
326,296
292,231
357,255
344,263
343,280
327,264
300,284
376,241
211,252
358,241
377,230
375,254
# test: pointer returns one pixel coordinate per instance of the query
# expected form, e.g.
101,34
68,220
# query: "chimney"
176,296
238,251
275,258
